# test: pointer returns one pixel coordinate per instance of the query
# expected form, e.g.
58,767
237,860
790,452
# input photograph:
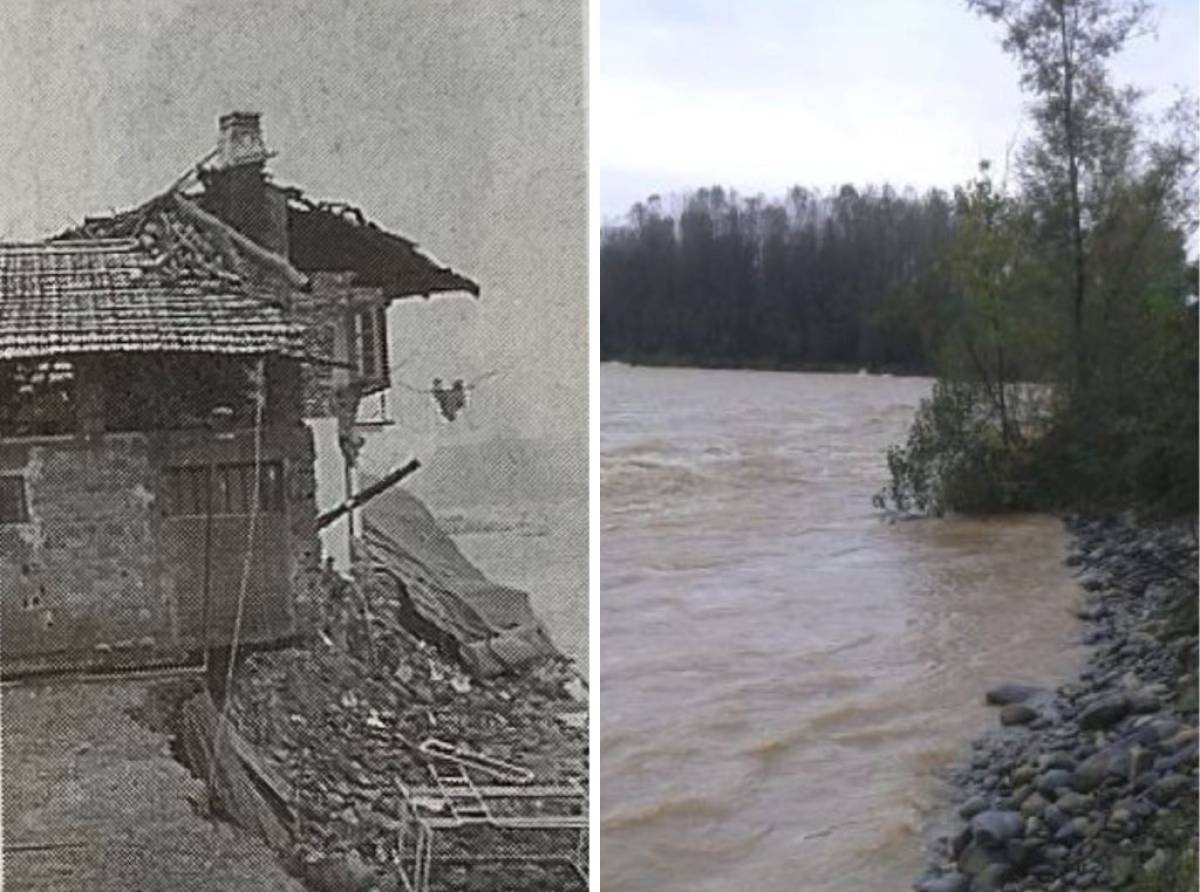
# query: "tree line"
846,278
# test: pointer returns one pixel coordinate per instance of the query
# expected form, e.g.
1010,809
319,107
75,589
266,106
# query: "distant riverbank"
666,360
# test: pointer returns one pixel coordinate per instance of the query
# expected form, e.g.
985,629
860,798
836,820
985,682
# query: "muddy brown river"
782,669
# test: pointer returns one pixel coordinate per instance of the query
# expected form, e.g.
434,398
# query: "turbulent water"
783,670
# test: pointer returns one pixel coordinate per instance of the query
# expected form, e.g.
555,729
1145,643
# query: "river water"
782,669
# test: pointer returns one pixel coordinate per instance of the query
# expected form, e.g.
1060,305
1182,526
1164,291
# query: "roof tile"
116,295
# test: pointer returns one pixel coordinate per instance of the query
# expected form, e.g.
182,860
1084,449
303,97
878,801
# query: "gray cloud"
761,95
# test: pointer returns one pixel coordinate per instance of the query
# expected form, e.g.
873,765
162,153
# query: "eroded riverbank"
1092,785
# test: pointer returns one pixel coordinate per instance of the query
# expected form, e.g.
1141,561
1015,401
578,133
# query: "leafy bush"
957,458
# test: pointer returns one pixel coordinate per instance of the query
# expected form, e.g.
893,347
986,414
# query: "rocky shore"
1092,786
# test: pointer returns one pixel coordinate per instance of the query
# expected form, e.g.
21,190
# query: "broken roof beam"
246,245
363,496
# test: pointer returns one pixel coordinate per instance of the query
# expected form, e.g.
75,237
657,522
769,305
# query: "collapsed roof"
321,236
324,236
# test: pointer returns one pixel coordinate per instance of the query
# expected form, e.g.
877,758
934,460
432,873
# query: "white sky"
763,94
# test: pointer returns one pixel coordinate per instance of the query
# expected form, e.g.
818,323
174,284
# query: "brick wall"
99,574
80,575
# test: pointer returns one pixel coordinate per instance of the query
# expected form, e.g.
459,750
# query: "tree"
1062,47
1096,238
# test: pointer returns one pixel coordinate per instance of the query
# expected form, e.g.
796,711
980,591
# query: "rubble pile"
339,720
1093,786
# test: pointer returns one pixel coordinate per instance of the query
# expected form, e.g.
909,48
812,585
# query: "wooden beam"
216,760
248,246
362,497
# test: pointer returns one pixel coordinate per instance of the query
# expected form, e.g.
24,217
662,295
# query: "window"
13,507
232,488
370,342
165,391
37,398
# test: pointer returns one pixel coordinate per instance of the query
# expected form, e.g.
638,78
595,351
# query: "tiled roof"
87,296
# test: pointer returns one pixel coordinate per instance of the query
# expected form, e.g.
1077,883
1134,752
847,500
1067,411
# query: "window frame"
368,334
186,489
18,497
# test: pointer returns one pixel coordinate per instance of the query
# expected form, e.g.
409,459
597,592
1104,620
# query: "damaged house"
160,374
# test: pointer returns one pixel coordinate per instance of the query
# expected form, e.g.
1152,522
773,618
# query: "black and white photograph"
293,446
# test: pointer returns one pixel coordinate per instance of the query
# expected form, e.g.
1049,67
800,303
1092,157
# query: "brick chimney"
241,140
237,188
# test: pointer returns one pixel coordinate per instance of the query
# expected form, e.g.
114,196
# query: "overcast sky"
763,94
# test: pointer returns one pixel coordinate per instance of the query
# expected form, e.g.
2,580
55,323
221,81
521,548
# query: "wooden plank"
218,762
262,770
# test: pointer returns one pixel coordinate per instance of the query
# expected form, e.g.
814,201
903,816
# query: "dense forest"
845,278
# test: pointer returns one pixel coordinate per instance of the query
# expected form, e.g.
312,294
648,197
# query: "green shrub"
957,458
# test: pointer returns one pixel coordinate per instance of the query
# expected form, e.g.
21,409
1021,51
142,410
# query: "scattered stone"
1073,803
1140,761
992,877
947,882
1054,817
1144,701
1072,831
1033,805
1005,694
1056,778
1057,759
1104,713
993,828
1017,714
972,807
1168,788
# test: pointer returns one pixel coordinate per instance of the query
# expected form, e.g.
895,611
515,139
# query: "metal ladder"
461,794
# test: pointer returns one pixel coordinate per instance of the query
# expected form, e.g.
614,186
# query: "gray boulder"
1017,714
1104,713
992,878
1004,694
994,828
1168,788
1075,803
972,807
1054,779
1073,831
947,882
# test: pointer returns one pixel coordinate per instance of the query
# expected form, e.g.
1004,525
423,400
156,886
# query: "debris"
337,734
